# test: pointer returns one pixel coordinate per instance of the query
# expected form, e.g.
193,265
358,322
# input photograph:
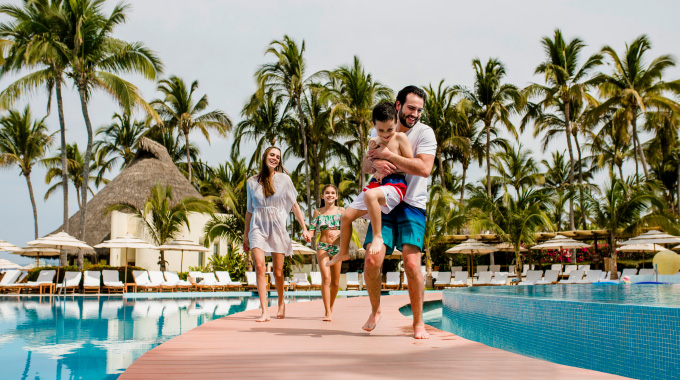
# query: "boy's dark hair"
384,111
419,92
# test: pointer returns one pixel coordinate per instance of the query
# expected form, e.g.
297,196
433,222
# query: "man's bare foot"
327,318
372,321
419,332
338,258
263,318
282,312
376,245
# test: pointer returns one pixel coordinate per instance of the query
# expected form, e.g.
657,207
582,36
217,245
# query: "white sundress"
268,223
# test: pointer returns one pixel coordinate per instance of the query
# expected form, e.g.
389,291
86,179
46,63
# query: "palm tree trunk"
186,141
567,128
64,163
86,164
462,185
441,168
317,175
620,170
677,186
639,146
488,159
580,181
81,259
362,151
304,154
612,254
35,208
162,263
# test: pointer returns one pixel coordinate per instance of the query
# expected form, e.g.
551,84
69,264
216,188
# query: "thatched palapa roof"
152,164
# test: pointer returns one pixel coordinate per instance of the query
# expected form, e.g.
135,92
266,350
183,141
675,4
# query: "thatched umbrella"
60,241
152,164
472,247
37,252
124,242
8,247
562,242
640,248
182,245
6,264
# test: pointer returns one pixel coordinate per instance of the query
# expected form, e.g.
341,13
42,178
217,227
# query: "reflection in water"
97,337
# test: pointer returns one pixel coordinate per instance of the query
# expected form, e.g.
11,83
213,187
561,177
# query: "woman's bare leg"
323,258
258,257
348,216
278,258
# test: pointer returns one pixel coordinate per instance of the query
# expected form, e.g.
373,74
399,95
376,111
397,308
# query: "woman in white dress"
271,196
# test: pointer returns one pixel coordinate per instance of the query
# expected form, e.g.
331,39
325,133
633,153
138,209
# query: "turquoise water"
98,337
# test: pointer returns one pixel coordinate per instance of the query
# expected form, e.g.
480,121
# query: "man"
404,227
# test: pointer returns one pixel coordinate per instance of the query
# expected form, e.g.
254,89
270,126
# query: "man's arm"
421,165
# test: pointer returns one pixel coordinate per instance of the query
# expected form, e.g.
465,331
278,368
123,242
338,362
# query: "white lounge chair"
526,268
549,278
460,279
483,279
557,267
499,279
591,276
352,280
568,269
494,268
209,280
286,284
480,268
629,272
8,282
512,271
392,280
300,281
456,269
44,277
646,272
584,267
533,276
225,278
92,281
156,277
574,275
316,279
173,279
443,280
71,282
251,281
144,282
112,282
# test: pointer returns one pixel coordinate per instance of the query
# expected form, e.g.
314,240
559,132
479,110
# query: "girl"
271,196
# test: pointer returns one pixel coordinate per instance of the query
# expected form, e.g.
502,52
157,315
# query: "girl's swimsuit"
326,222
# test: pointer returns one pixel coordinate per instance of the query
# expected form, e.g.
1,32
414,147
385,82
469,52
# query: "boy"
381,194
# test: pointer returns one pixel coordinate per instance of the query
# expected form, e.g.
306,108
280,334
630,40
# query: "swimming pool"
627,330
98,337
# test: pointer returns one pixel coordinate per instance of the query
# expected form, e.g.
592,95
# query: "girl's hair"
323,190
264,176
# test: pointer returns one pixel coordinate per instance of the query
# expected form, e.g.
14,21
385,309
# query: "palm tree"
494,102
514,219
174,145
355,94
162,217
635,87
286,76
564,92
119,140
36,33
557,181
516,167
24,142
180,110
95,57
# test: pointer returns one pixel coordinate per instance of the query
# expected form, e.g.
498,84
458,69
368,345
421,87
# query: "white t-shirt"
423,141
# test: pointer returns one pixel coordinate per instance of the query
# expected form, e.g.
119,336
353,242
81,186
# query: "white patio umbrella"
652,237
7,247
640,248
37,252
124,242
472,247
301,249
182,245
508,247
6,264
60,241
562,242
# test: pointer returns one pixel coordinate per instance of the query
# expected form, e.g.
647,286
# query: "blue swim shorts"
404,225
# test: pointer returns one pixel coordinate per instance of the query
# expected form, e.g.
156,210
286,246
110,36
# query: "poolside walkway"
304,347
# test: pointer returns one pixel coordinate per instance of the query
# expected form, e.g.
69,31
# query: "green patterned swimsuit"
326,222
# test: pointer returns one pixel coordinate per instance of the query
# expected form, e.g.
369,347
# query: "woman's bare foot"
419,332
338,258
282,312
376,245
327,318
263,318
372,321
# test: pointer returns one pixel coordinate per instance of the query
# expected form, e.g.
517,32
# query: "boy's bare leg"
373,199
348,216
258,257
372,265
412,256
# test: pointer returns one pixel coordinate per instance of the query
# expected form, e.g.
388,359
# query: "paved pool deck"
304,347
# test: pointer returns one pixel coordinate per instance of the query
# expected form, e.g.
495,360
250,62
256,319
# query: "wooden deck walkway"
304,347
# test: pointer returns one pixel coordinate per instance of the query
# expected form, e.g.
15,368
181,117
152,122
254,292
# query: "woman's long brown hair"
264,176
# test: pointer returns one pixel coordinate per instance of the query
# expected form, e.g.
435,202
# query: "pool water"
98,337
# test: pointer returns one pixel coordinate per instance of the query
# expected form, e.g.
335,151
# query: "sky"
222,43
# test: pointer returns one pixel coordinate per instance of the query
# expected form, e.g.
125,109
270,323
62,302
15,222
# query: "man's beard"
402,120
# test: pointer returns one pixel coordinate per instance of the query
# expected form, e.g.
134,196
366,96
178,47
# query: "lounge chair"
629,272
459,280
92,281
352,280
494,268
584,267
44,277
549,278
112,282
300,281
8,282
646,272
286,284
144,282
225,278
156,277
533,276
526,268
511,271
443,280
435,276
499,278
568,269
456,269
209,280
605,276
480,268
391,280
483,279
591,276
71,282
574,275
251,281
316,279
557,267
173,278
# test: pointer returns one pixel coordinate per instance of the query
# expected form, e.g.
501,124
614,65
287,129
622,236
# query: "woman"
326,221
271,196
